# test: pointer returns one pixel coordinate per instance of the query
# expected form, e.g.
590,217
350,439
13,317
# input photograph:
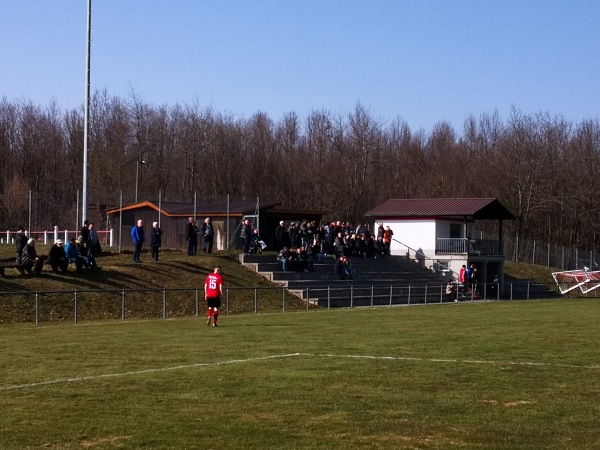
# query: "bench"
11,265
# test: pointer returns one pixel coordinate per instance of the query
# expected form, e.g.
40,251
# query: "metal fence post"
227,302
283,298
197,298
37,309
164,303
372,289
351,296
75,304
307,297
409,295
255,301
123,304
328,297
391,294
426,293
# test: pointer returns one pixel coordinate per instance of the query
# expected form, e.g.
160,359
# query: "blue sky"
422,61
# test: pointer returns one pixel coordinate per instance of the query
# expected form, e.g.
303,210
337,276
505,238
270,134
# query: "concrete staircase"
393,280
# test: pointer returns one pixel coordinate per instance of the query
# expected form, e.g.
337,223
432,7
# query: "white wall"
416,234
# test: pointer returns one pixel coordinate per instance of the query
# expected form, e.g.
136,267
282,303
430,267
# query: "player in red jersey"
213,290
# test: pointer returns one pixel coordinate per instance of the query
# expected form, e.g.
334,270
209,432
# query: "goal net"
573,279
592,283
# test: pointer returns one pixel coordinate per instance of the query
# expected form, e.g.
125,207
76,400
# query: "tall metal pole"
120,218
137,176
77,214
227,232
29,225
84,199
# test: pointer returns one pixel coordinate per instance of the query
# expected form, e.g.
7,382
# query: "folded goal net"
573,279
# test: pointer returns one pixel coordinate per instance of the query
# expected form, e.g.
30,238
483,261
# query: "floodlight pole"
84,195
137,176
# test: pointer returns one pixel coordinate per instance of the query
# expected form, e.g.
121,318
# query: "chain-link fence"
558,256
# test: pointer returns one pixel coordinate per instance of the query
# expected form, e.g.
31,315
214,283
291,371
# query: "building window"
456,231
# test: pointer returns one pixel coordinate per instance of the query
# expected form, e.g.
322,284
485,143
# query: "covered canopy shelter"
466,210
226,218
440,231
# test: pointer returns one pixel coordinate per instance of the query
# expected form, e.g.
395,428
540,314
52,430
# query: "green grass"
510,375
541,274
175,271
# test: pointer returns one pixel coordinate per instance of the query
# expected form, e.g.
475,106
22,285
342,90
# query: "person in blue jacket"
137,235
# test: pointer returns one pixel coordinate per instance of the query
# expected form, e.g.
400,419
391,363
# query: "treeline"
545,169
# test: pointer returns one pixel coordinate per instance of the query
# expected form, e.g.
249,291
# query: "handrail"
425,257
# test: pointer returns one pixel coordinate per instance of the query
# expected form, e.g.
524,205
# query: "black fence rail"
127,304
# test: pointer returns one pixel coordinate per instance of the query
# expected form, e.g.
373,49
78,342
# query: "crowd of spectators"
332,239
302,243
80,252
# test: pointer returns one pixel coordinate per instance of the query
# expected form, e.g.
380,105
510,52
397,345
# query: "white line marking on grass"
289,355
456,361
140,372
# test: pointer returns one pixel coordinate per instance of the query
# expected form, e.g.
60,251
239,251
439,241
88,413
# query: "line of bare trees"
545,169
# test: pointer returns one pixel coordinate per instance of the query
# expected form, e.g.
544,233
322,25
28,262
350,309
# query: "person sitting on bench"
57,257
344,268
32,263
74,257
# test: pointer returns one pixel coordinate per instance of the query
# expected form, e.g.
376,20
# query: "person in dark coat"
344,269
155,240
281,236
85,235
32,262
246,235
207,235
191,235
20,243
57,257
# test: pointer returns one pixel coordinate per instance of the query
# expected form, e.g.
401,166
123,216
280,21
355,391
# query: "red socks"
215,314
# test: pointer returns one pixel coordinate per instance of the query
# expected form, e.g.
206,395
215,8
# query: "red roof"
234,208
478,208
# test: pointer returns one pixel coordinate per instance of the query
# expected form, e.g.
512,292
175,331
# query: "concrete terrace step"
393,280
390,261
404,275
383,284
390,264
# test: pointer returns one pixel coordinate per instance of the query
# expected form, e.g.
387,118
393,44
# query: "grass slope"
175,270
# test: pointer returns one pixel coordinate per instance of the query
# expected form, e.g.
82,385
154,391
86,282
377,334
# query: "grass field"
511,375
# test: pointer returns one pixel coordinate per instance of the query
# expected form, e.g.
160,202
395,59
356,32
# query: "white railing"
106,237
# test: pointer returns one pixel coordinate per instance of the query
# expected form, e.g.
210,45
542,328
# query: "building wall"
416,234
173,228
